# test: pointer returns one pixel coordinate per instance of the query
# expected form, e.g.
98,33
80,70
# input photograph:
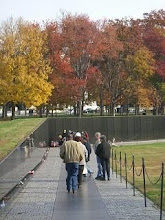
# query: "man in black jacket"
103,152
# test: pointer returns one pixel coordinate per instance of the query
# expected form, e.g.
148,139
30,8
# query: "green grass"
154,155
12,132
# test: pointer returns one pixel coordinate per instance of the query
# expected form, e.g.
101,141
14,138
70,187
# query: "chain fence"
139,172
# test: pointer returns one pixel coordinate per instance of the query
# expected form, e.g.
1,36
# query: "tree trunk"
25,112
52,112
127,109
101,104
79,108
75,110
13,112
162,109
47,110
4,111
137,110
82,107
112,109
106,107
40,111
155,110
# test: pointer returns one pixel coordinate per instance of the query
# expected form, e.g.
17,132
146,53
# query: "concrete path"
45,197
13,169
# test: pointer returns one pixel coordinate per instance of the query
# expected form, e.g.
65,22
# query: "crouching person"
71,153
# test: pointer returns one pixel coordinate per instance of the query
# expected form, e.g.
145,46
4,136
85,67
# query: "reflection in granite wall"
122,128
23,159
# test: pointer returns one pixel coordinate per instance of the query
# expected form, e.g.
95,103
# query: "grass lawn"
154,155
11,132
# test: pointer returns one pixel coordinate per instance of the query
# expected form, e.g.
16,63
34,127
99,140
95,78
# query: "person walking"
99,167
88,147
85,134
82,163
72,154
103,152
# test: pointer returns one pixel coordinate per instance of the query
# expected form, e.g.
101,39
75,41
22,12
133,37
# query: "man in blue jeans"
99,166
103,151
72,154
71,180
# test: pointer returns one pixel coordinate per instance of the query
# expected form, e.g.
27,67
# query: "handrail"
143,172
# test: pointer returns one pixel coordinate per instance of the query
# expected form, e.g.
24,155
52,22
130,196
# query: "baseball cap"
78,134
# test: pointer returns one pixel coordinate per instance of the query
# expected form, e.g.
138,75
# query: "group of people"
102,150
75,152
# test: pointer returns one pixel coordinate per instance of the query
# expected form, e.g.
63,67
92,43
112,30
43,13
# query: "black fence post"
112,160
120,169
133,165
126,169
144,181
116,163
161,198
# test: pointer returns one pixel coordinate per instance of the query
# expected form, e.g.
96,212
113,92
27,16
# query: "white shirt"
83,161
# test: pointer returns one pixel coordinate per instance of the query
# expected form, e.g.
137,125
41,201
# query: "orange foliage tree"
154,39
71,49
109,61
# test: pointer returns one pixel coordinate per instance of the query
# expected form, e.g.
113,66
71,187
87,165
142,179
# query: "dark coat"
103,150
88,147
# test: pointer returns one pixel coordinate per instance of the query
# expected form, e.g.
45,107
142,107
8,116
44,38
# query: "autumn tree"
78,46
154,39
109,61
24,67
65,90
138,63
141,67
129,33
96,87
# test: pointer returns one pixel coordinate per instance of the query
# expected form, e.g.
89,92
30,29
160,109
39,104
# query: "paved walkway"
45,197
16,166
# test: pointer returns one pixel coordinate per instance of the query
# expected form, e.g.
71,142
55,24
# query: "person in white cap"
72,154
99,166
83,161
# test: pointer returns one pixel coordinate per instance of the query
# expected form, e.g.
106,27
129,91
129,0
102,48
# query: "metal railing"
123,164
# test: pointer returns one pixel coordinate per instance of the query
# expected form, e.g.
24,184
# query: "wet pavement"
17,165
45,197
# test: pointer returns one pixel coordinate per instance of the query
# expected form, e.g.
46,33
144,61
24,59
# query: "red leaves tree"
71,49
78,35
154,38
85,55
109,61
65,86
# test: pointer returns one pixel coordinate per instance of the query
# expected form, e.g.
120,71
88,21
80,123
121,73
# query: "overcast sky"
38,10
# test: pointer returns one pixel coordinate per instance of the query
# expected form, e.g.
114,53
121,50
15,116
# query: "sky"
42,10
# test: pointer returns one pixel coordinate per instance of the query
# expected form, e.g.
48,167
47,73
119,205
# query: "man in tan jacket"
71,153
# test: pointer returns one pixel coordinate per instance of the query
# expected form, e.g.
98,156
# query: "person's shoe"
68,190
97,178
108,178
102,178
74,191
